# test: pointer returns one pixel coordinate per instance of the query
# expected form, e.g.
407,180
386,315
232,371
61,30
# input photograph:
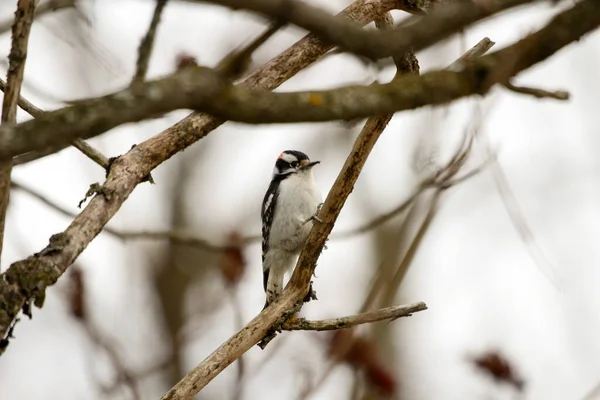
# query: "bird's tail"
274,284
279,262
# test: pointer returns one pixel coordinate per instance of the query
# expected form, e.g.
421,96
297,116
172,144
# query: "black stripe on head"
288,161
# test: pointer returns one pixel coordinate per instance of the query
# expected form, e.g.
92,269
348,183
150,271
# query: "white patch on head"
287,157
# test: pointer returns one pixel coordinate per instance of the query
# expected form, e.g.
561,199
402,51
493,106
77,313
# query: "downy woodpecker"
288,210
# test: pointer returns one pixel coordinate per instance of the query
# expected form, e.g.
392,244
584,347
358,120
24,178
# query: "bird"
288,212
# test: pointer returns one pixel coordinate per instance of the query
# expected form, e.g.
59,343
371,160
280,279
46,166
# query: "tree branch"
388,313
26,280
145,49
14,79
204,89
445,20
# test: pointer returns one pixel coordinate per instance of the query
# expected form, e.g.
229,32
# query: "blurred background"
507,261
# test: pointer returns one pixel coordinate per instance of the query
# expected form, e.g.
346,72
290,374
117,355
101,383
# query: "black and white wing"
267,213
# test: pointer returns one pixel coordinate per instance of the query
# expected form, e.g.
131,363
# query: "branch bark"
14,79
26,280
388,313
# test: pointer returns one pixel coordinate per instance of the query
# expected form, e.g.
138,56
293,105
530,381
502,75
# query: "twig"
517,217
44,8
145,48
14,79
389,313
81,145
538,93
236,62
473,53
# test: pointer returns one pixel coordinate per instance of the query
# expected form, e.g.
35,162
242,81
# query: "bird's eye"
294,164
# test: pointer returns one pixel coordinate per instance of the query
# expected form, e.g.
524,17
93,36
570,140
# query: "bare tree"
216,96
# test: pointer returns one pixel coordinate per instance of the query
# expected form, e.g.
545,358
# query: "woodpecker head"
292,162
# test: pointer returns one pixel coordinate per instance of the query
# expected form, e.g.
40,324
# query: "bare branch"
14,79
145,49
538,93
445,20
519,221
389,313
19,287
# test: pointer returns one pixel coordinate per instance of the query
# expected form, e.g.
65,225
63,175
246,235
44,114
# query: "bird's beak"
308,165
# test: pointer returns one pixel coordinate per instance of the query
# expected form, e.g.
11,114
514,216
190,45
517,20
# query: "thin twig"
14,79
145,48
236,62
473,53
388,313
519,221
538,93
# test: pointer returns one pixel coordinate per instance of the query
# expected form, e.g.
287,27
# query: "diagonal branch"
145,49
14,79
388,313
27,279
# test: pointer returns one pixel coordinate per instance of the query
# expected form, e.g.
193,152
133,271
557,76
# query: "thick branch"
27,279
14,79
389,313
203,89
444,21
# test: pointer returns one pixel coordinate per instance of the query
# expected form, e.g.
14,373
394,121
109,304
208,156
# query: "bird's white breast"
298,200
